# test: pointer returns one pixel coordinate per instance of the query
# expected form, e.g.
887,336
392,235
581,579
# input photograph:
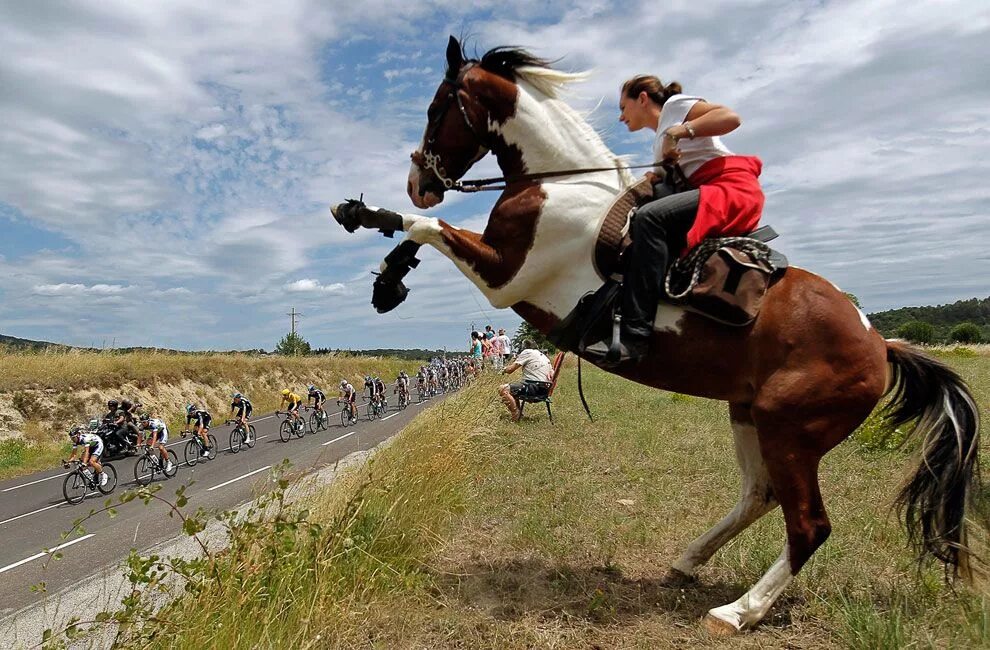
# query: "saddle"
723,279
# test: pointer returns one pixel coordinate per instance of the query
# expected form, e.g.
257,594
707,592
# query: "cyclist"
402,385
380,393
369,385
349,395
201,419
243,407
317,396
421,380
91,446
292,401
159,436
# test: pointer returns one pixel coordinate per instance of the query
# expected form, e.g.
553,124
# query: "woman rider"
727,200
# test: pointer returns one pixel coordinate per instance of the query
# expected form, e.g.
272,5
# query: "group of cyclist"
125,428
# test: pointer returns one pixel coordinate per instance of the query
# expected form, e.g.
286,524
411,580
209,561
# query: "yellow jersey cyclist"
159,436
200,420
90,448
292,401
242,406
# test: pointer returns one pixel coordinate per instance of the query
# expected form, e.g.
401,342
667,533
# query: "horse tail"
933,502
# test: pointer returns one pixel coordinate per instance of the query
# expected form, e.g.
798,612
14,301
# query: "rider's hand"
669,150
65,464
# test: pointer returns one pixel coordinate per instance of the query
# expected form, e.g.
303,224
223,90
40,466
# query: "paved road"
33,513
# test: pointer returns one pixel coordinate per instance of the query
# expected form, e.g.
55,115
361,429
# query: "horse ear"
454,58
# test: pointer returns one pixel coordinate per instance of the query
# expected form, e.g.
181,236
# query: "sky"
166,168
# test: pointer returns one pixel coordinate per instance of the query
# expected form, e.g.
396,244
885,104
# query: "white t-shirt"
694,152
535,365
506,343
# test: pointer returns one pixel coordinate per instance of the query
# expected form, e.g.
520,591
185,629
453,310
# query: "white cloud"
65,289
309,285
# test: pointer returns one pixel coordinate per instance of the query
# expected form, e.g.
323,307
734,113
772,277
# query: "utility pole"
293,315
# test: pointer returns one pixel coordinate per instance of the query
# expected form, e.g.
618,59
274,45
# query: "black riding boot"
658,229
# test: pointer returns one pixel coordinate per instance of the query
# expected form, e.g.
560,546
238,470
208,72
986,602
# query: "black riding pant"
658,231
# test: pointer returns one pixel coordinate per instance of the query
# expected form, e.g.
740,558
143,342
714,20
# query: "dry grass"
473,532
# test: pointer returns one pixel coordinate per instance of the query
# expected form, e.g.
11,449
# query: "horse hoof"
717,627
675,578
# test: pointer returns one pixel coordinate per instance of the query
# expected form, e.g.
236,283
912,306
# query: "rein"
489,184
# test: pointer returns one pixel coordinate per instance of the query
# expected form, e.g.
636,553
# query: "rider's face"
632,111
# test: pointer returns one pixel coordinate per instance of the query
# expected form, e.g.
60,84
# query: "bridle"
429,161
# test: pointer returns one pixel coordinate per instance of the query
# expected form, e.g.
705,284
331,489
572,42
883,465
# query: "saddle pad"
614,226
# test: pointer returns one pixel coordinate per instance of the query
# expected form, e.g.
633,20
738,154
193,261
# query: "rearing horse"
799,379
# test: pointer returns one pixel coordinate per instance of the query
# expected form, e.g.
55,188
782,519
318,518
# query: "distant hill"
14,343
410,355
942,317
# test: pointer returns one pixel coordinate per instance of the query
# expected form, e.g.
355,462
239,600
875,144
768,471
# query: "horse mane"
514,63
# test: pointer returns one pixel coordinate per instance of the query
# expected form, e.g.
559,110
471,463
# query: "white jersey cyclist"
156,426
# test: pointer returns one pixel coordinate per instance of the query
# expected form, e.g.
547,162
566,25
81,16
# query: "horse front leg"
464,247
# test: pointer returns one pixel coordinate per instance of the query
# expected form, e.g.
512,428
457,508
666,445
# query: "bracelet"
690,130
668,134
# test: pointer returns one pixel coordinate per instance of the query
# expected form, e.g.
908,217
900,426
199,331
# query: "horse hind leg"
794,477
756,500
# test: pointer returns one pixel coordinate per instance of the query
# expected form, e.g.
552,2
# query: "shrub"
966,333
917,331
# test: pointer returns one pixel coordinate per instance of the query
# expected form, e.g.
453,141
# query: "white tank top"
695,152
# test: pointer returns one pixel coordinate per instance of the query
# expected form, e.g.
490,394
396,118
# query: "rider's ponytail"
652,86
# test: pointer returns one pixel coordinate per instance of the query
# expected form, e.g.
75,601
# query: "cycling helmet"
112,404
286,392
237,396
75,431
343,382
367,377
190,408
145,417
311,388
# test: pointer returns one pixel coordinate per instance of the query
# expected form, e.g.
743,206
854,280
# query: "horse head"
474,98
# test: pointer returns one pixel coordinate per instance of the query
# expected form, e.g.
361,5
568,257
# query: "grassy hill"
473,532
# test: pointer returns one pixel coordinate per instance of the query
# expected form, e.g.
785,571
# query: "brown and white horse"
798,380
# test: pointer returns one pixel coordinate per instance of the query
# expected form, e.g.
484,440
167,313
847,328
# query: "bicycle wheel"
175,464
144,470
111,484
236,438
314,421
285,430
211,453
344,419
371,410
299,428
324,420
74,487
191,452
254,437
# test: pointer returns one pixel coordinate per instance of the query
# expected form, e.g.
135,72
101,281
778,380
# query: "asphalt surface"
34,514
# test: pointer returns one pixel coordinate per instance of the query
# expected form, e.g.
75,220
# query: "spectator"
476,349
537,378
489,332
506,345
486,351
497,352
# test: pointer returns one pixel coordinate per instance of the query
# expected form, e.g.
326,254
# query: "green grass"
471,531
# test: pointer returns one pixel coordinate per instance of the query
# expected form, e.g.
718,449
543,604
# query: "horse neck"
549,135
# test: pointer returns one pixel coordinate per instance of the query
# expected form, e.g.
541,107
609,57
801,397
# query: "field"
473,532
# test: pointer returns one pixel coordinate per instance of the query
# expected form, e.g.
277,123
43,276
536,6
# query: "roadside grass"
471,531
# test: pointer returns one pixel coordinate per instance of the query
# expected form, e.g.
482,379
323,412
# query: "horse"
798,380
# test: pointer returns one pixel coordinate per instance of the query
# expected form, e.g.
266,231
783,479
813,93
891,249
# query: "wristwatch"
690,130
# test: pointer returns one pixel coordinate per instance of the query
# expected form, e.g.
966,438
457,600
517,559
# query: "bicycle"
82,481
319,419
194,448
288,427
381,406
239,436
421,391
403,399
348,414
150,463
